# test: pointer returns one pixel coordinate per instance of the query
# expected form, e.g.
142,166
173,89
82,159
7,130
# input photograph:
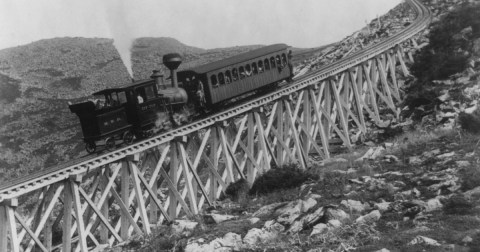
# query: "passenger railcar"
144,107
228,78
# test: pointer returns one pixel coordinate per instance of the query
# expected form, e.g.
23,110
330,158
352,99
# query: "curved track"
55,174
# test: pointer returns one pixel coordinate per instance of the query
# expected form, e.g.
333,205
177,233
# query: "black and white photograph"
242,125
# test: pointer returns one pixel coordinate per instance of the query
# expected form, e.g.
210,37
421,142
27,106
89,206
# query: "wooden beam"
188,179
78,213
323,135
261,140
30,232
67,217
343,122
99,213
174,180
139,196
125,213
125,193
3,228
45,215
301,157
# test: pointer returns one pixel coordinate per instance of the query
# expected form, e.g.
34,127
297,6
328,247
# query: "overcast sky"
202,23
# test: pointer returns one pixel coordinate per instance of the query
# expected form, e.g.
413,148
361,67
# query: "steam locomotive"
143,108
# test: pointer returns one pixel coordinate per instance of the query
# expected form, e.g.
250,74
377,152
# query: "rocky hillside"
37,80
411,186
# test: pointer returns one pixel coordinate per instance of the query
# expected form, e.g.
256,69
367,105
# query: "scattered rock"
433,204
347,172
354,205
217,218
334,223
310,219
253,220
308,204
372,153
424,241
288,213
462,163
414,160
432,153
467,239
273,226
196,247
268,209
184,225
256,235
371,217
474,193
336,214
230,241
446,155
383,250
319,229
382,206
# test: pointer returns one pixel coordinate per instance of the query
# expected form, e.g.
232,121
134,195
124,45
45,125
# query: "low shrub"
284,177
450,44
458,205
470,122
238,190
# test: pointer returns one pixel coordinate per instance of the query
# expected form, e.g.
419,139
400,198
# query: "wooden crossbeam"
45,216
139,196
301,156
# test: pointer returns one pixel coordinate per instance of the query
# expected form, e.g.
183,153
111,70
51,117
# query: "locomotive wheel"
110,143
90,147
128,137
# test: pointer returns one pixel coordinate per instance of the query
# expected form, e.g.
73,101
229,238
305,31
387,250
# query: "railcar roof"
237,59
123,87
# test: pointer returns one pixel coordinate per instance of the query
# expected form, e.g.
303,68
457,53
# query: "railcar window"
150,94
248,70
279,63
284,59
260,66
221,79
122,98
228,77
267,65
254,68
235,74
272,62
242,72
213,80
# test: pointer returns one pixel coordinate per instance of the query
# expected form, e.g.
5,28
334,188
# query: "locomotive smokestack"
172,61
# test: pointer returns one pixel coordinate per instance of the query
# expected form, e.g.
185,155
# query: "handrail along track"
55,174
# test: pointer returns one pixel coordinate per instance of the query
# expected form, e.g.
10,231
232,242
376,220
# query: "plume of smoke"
121,31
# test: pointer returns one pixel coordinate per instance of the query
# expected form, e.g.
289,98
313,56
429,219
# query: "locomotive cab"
103,120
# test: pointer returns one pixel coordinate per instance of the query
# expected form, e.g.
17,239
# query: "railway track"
31,182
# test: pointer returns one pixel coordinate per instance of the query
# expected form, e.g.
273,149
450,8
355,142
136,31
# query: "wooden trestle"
107,205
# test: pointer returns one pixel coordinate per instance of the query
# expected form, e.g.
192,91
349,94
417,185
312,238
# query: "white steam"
121,31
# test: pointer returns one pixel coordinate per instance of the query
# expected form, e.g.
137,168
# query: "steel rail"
58,173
